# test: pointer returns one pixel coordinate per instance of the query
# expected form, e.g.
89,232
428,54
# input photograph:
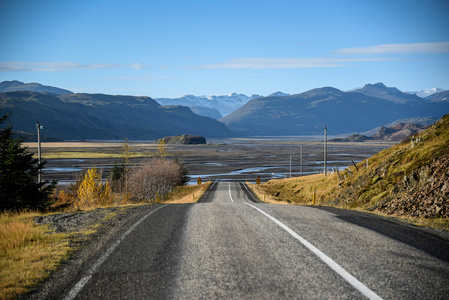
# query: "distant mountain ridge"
14,85
224,104
104,117
379,90
439,97
427,93
100,116
343,112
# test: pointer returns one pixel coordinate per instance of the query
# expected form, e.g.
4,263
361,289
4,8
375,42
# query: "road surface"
229,246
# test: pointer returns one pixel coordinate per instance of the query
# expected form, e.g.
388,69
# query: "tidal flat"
229,159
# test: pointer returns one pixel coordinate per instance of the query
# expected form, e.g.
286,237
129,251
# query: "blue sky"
171,48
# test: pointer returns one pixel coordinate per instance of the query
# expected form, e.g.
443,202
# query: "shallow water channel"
233,160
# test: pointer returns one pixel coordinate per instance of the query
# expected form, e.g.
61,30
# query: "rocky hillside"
409,179
398,132
395,133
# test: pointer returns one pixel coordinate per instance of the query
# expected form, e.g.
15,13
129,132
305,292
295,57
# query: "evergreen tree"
19,188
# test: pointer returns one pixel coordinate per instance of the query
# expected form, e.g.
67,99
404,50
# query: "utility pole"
39,150
301,157
325,150
290,165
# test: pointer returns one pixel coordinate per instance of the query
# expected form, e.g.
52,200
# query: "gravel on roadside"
78,221
90,234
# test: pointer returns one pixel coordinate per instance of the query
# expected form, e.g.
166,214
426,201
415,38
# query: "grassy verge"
188,193
299,190
28,253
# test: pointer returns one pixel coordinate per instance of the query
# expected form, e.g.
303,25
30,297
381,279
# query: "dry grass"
298,190
84,150
188,193
27,253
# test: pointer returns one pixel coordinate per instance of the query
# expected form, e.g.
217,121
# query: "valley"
227,159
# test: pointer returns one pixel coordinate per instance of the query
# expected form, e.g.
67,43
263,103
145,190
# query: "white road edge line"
332,264
207,191
248,191
79,286
230,193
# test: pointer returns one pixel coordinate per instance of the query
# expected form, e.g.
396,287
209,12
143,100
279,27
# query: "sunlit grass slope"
410,179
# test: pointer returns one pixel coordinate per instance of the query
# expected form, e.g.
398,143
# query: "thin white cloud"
289,63
140,78
138,66
61,66
440,47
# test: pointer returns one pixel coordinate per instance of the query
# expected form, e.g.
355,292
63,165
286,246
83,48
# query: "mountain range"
214,107
307,113
104,117
69,116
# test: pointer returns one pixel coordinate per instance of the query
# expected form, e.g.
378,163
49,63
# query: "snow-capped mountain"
224,104
427,93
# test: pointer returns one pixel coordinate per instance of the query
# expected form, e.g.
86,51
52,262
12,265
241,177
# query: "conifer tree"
19,188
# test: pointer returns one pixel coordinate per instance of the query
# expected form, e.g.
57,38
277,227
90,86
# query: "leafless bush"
155,177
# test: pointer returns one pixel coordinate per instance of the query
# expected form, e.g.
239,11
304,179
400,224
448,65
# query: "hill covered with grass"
410,179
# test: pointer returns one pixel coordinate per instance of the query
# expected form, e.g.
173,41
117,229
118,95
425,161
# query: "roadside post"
290,165
325,150
314,197
39,154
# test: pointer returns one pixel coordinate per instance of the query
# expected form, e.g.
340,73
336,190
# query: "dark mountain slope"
98,116
308,112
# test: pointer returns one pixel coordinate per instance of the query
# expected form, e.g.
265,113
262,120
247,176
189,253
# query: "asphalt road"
228,246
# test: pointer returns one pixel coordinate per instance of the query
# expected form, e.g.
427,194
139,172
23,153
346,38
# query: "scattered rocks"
424,193
76,221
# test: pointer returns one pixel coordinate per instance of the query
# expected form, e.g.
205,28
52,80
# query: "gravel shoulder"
90,233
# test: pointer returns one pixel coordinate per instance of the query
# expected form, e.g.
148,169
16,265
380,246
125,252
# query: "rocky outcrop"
424,193
183,139
398,132
353,138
